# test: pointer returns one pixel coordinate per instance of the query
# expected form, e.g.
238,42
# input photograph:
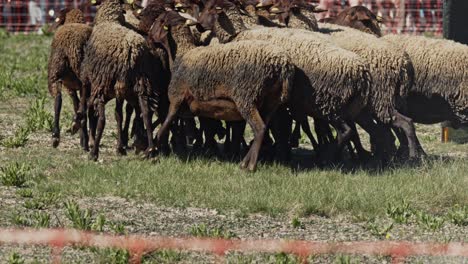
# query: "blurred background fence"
401,16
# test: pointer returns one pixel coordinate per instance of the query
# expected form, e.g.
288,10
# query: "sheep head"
159,32
358,17
148,15
211,12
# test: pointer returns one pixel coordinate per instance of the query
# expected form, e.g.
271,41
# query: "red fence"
31,15
401,16
139,245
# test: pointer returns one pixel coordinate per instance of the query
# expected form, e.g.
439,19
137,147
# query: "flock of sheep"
262,62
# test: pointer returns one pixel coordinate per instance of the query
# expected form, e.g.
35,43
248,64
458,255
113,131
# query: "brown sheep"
217,81
64,66
119,64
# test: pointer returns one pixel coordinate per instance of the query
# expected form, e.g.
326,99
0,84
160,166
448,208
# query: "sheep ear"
362,16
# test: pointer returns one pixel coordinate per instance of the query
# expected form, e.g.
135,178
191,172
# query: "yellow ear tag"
166,28
130,2
139,11
93,2
274,10
57,19
178,5
219,8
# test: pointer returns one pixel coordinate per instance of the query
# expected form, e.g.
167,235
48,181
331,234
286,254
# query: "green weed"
203,231
401,214
25,193
345,259
378,230
15,258
111,255
429,221
36,219
80,219
19,139
37,118
458,215
14,174
296,223
162,256
283,258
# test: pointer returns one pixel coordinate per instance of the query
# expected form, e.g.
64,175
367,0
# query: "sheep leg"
209,126
296,135
259,127
56,129
126,128
84,137
143,101
94,154
78,119
324,133
238,128
139,138
363,154
344,133
306,128
377,136
227,141
197,145
92,126
406,124
281,126
119,119
76,125
172,114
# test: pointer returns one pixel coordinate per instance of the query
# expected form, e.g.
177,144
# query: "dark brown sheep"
217,81
64,65
358,17
120,64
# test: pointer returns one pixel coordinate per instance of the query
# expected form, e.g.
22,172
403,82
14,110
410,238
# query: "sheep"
334,82
440,85
300,15
357,17
393,74
66,55
243,80
119,64
440,90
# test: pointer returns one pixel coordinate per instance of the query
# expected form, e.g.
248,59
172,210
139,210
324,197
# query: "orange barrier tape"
137,245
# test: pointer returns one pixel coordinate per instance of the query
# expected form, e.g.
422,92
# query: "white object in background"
35,13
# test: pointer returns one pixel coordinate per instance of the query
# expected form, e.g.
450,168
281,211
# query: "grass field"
41,185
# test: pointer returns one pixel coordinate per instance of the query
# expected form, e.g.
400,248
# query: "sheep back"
67,52
244,69
115,58
390,66
441,68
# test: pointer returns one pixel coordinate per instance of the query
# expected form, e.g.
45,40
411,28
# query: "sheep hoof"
93,156
294,142
165,150
121,151
55,142
75,127
243,165
151,153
